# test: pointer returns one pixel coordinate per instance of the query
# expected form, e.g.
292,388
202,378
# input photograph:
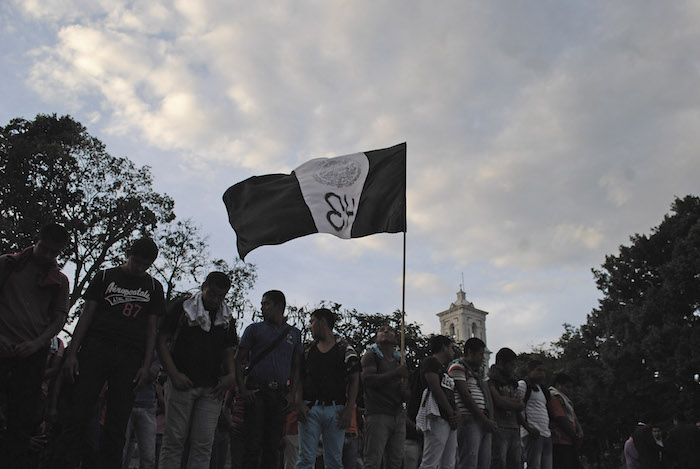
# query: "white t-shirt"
535,410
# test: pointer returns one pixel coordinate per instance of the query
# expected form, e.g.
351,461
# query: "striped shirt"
459,371
535,410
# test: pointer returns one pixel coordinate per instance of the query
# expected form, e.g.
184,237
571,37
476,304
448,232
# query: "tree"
183,254
55,171
638,355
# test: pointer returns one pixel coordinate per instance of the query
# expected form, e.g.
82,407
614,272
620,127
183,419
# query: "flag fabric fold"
349,196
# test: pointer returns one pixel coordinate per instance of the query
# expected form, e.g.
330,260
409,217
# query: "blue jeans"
321,420
194,412
506,449
538,452
142,424
474,445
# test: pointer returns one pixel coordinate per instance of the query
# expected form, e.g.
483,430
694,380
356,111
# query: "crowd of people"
175,381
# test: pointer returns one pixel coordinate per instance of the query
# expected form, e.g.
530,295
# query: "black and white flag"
349,196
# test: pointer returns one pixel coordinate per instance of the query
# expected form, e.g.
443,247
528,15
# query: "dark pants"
100,361
264,427
564,457
20,385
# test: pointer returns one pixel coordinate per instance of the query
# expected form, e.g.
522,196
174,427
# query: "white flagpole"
403,305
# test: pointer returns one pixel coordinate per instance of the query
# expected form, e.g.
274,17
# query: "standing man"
272,351
473,399
535,433
439,431
195,343
567,433
507,404
326,393
33,309
113,342
386,388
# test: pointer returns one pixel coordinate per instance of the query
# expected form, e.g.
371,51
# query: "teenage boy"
535,433
326,393
113,342
386,388
507,404
272,351
439,431
195,343
567,433
473,398
33,309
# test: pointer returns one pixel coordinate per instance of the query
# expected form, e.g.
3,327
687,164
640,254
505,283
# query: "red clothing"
559,436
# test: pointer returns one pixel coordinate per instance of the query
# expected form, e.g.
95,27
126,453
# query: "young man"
535,433
473,398
566,430
326,393
439,431
507,405
272,350
195,344
33,309
113,342
386,388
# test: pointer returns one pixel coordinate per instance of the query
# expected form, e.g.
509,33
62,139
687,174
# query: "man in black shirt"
326,393
113,342
195,344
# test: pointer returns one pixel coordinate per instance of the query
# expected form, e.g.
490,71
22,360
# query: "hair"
143,247
534,363
386,324
55,233
277,297
437,342
473,344
327,314
218,279
562,378
505,355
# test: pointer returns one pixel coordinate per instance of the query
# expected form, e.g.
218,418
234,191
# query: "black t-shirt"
124,303
198,353
432,365
324,374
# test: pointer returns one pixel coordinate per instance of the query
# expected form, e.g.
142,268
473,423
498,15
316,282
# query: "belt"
321,402
252,383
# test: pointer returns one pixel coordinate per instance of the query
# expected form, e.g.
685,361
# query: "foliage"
54,170
638,355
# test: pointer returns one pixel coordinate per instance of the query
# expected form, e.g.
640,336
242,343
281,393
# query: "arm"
144,373
30,347
70,367
241,356
294,381
433,380
504,402
179,380
373,379
352,386
227,381
469,403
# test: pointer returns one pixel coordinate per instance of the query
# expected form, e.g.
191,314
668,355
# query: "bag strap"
267,351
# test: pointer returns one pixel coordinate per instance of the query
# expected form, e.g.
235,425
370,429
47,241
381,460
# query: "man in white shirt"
537,439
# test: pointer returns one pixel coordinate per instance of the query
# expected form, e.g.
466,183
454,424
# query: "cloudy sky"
540,135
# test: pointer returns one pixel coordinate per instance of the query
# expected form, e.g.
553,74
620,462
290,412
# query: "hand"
520,404
401,371
180,381
247,395
491,425
225,383
302,410
345,416
37,443
142,377
7,349
534,433
28,348
71,368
